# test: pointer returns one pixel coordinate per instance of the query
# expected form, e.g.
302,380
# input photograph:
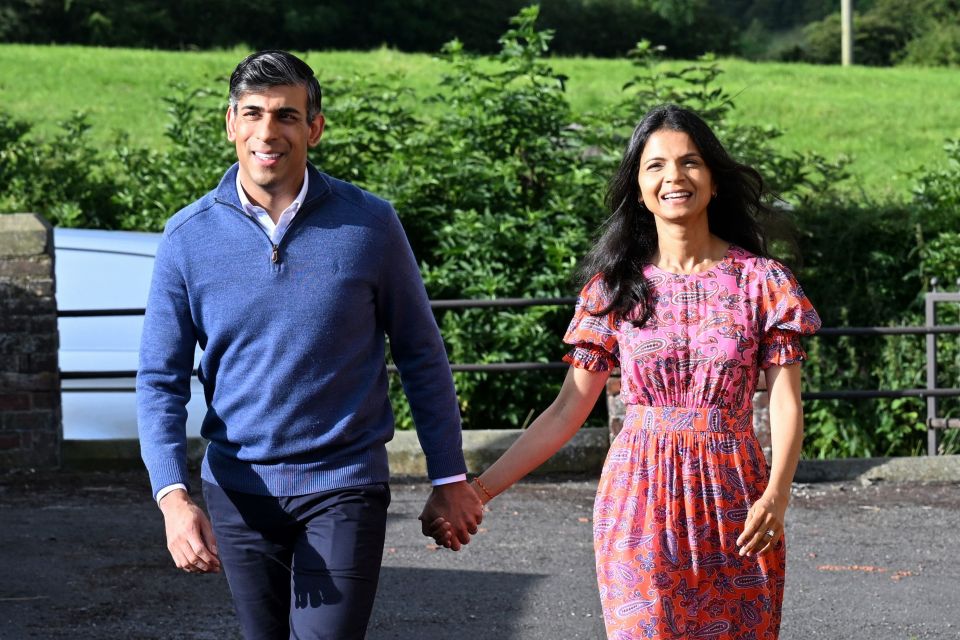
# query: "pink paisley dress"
680,476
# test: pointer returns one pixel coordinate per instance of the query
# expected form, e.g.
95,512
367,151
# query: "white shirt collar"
274,229
253,209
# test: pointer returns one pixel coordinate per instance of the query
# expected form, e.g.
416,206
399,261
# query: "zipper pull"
275,256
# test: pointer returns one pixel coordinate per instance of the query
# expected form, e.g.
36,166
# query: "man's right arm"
167,346
418,351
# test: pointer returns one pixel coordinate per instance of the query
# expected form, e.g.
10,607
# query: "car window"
101,280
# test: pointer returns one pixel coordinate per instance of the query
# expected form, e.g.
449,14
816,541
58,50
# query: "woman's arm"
550,431
786,433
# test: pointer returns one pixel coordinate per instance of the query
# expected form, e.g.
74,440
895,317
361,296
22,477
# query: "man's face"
272,135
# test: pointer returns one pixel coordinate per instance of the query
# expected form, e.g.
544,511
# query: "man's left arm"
418,351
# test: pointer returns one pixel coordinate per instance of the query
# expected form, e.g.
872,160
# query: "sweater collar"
318,186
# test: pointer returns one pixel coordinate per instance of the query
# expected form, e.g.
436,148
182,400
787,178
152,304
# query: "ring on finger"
770,533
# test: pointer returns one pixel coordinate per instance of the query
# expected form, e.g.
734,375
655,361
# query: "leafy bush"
503,208
590,27
938,46
937,192
500,190
65,178
156,184
937,206
77,184
925,32
897,249
877,40
853,270
516,180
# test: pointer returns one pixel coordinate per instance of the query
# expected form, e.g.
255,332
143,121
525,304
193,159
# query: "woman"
688,526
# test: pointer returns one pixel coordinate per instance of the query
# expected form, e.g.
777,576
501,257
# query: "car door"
98,271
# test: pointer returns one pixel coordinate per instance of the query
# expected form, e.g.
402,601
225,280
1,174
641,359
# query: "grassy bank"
890,121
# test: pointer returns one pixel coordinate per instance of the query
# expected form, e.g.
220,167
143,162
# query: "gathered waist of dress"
710,419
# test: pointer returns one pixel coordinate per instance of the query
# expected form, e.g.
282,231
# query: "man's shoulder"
361,200
191,213
197,210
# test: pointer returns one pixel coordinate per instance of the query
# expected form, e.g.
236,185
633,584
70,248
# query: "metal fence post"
930,321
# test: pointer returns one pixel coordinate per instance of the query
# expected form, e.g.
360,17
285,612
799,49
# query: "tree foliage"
889,32
587,27
500,190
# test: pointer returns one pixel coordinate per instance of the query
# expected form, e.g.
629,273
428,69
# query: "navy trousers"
303,567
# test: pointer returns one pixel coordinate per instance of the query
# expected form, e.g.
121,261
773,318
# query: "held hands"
452,514
190,537
763,527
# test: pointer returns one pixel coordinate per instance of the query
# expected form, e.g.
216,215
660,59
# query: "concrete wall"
31,430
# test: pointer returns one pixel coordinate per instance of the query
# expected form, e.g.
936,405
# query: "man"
290,280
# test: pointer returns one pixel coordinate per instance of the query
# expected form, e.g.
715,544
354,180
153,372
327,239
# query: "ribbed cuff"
447,464
164,473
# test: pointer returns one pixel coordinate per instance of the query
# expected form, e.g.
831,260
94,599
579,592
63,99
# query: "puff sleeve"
785,314
594,337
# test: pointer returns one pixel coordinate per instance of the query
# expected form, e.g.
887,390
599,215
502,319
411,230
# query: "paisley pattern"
680,476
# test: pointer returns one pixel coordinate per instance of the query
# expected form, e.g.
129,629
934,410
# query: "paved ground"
82,557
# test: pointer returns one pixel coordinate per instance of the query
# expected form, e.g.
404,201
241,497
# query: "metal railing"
931,393
936,423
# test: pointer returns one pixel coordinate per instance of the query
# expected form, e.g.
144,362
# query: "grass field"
890,121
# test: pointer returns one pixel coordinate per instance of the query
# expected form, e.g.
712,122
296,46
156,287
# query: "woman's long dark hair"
629,237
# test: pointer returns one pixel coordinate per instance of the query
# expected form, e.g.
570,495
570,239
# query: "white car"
98,270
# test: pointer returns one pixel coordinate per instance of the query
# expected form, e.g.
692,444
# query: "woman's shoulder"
595,294
748,261
746,257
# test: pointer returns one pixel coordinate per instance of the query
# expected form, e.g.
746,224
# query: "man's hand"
190,537
452,514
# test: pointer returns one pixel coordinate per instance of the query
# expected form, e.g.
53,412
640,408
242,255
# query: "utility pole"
846,32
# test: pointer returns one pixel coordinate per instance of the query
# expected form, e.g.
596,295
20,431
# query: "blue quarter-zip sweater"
293,340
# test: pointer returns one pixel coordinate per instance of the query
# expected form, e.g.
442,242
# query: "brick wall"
30,419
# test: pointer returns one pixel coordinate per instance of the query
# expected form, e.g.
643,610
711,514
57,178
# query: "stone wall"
31,430
616,411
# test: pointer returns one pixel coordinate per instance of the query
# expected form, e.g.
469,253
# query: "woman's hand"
786,433
544,437
764,524
441,530
452,514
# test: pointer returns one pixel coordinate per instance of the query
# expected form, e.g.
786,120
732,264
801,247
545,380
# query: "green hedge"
500,189
923,33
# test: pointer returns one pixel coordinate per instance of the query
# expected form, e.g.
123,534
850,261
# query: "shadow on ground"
82,556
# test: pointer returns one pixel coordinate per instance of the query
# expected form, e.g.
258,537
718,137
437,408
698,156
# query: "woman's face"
675,183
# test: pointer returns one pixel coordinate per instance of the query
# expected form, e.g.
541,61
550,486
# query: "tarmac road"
82,556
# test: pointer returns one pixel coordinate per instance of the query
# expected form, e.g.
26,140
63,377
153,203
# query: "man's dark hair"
272,68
